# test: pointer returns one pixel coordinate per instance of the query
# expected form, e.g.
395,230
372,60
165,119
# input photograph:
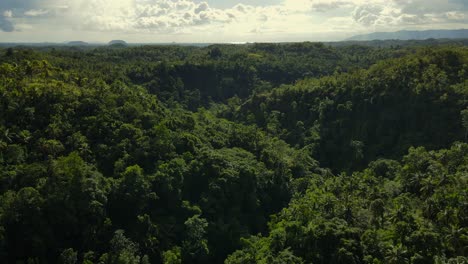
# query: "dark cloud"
201,7
432,6
20,4
17,7
6,25
24,9
327,6
462,3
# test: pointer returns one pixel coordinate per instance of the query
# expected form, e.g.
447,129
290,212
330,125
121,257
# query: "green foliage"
172,256
349,120
122,251
257,153
69,256
358,219
195,246
464,116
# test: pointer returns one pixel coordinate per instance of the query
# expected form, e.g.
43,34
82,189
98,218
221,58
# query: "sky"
152,21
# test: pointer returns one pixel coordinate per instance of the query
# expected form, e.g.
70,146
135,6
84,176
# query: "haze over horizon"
220,20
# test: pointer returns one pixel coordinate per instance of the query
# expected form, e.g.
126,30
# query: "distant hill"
414,35
78,43
117,43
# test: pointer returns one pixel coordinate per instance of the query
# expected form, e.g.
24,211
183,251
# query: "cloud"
455,16
187,17
201,7
24,9
36,12
402,13
5,21
20,6
175,16
324,6
367,14
422,7
166,16
317,5
8,14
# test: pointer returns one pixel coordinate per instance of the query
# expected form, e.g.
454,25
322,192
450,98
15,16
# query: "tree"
9,52
172,256
69,256
377,208
397,254
464,116
123,251
23,220
215,53
131,196
195,246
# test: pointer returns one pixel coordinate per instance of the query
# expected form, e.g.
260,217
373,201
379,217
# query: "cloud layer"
5,21
189,18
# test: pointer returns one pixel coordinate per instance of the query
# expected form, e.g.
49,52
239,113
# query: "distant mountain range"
416,35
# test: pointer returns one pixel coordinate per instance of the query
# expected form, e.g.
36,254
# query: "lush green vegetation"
259,153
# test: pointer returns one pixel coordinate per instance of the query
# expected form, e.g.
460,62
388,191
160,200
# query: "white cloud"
188,18
397,14
455,15
36,12
8,14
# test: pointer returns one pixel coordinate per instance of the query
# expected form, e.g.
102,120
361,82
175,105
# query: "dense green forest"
256,153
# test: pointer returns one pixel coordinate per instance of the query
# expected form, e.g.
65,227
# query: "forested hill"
257,153
348,120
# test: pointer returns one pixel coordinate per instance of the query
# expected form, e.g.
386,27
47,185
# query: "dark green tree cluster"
414,211
104,173
348,120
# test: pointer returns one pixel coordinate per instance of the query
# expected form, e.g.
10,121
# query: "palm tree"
24,136
45,69
396,255
464,116
377,208
427,186
456,238
7,136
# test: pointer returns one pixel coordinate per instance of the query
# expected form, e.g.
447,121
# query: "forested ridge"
256,153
